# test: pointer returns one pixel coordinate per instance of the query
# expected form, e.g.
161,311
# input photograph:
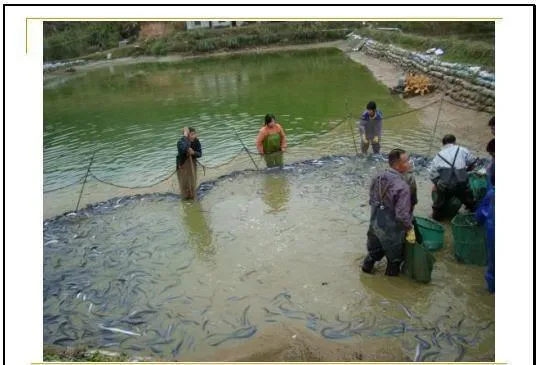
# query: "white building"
212,24
197,25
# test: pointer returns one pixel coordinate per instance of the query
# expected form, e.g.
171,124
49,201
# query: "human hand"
190,151
364,139
410,236
376,139
186,131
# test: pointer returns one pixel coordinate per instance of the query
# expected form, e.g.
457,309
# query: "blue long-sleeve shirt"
370,127
183,145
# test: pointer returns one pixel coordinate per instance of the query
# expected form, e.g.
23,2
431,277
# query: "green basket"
450,208
469,240
432,233
418,263
478,185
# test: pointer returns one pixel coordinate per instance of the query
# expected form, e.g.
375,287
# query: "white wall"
197,25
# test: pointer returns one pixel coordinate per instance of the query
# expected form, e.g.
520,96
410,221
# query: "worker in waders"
449,174
370,128
189,149
391,221
485,214
490,148
271,142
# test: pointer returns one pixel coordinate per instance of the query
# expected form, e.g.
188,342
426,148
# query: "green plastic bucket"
469,240
478,185
432,233
418,263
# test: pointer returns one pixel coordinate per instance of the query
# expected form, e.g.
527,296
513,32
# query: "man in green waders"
271,142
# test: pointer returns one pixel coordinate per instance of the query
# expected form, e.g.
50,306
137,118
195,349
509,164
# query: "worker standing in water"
485,214
490,148
271,142
189,149
370,128
391,221
449,174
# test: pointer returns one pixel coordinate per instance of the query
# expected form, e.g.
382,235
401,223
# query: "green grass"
470,43
472,30
81,44
80,355
456,49
212,40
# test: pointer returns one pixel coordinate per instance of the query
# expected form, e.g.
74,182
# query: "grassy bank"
456,49
480,31
65,40
191,42
58,354
471,42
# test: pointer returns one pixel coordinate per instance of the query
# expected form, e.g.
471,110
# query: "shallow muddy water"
157,276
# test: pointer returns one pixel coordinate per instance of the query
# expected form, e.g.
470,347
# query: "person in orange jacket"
271,142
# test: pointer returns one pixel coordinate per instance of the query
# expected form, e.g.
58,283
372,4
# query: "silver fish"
119,330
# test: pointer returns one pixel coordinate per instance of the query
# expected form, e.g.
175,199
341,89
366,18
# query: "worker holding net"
271,142
189,149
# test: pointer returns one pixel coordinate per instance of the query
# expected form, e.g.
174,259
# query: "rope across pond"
243,150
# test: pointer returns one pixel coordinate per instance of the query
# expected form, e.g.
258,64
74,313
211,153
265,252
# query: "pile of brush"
417,84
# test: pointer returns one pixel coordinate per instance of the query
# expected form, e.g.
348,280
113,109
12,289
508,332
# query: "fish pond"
145,273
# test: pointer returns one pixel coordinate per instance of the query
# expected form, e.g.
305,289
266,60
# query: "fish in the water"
119,330
176,349
334,334
241,333
430,354
417,353
461,353
234,298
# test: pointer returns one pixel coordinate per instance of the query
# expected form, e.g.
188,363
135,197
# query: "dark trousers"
365,146
389,246
462,192
377,249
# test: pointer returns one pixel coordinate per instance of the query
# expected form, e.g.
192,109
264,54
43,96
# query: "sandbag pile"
469,85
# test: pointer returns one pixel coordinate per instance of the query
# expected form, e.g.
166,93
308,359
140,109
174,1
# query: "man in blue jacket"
189,149
370,128
485,214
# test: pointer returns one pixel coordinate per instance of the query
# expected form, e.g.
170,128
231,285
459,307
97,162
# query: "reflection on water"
162,277
275,191
134,115
198,232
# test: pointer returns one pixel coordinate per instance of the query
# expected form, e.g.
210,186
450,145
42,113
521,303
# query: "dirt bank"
282,343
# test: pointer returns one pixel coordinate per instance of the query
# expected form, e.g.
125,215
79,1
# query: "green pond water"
131,116
179,280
